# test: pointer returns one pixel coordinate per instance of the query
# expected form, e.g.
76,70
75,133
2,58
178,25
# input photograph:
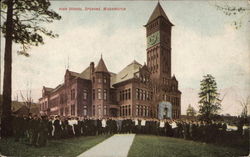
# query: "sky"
204,41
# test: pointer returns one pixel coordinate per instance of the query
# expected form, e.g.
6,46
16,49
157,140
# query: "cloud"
224,55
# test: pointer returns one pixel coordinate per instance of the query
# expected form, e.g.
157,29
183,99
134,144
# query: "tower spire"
101,67
68,63
158,12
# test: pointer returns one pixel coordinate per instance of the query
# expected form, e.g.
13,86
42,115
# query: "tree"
245,105
22,25
210,104
190,111
28,101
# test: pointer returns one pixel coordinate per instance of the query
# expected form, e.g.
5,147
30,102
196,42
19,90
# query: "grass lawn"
157,146
63,148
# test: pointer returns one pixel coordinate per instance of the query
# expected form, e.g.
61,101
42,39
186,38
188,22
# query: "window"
85,94
129,93
147,113
126,94
120,95
61,98
126,110
99,110
85,110
137,94
129,110
66,111
61,111
73,94
137,111
105,111
104,79
121,111
105,94
99,80
140,110
72,109
99,94
143,110
93,94
93,110
141,94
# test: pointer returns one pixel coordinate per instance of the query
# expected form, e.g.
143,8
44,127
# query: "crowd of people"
36,130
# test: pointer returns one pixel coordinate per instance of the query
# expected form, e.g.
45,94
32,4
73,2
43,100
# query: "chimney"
92,67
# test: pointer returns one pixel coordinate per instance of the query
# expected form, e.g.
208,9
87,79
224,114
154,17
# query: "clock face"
153,39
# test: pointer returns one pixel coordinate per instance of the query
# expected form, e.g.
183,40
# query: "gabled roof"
173,77
128,72
112,78
47,89
101,67
72,73
145,67
86,73
158,12
57,87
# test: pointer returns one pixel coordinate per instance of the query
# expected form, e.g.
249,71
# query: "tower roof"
101,67
158,12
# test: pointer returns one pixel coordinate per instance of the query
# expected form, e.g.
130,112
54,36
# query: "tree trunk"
6,124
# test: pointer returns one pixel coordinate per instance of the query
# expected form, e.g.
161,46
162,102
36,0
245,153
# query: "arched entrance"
164,110
113,110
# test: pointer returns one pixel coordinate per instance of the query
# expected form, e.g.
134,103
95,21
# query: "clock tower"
158,32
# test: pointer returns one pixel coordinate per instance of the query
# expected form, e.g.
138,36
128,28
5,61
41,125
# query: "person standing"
99,126
50,127
104,125
135,125
43,131
119,125
161,128
35,130
143,126
57,126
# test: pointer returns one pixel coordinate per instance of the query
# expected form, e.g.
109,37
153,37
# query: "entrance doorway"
165,110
